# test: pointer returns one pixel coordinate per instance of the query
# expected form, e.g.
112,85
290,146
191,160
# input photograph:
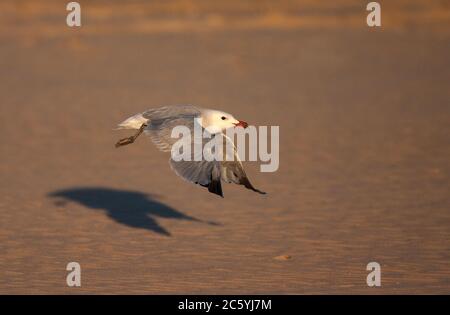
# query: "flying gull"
158,124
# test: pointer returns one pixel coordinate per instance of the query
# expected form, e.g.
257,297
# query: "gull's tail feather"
134,122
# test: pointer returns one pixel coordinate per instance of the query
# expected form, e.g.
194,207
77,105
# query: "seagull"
158,124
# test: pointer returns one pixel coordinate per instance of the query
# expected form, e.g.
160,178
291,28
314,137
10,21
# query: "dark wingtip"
257,190
248,185
215,187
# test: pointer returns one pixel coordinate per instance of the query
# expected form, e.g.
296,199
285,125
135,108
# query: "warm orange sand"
364,118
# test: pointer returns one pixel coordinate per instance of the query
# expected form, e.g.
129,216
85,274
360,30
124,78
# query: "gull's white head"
215,121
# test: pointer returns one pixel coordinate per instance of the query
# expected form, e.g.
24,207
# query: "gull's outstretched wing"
162,120
204,173
172,111
210,173
233,171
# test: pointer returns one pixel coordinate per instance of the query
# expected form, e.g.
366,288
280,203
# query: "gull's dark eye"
223,117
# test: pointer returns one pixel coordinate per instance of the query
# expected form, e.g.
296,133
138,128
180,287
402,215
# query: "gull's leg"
131,139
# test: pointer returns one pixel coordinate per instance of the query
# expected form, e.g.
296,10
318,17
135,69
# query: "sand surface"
364,175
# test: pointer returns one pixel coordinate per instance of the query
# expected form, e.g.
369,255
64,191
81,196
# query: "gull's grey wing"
210,173
204,173
169,112
162,120
233,171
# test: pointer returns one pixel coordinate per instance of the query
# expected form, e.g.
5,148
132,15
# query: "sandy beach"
364,116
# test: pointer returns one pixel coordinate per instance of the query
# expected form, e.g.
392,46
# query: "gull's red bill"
242,124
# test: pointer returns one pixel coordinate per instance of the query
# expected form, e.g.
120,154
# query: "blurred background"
364,116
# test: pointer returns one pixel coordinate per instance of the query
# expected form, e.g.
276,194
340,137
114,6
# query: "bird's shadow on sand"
131,208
